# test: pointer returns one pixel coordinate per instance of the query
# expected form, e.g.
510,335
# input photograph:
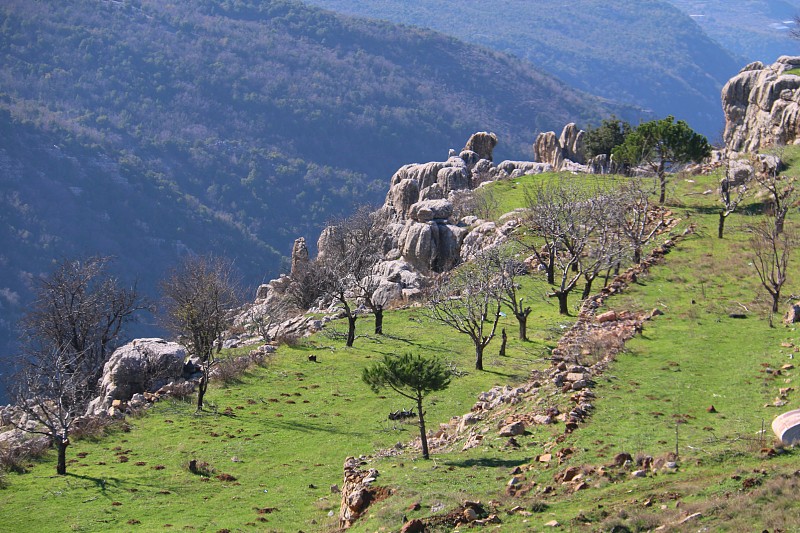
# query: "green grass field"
275,442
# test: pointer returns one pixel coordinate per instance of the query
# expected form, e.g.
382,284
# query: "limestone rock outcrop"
299,254
566,152
762,106
424,218
483,144
143,365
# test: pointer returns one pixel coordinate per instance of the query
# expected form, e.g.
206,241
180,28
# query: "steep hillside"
147,129
648,53
756,30
686,400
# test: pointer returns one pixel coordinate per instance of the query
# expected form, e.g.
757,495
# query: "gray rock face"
482,143
546,149
762,106
431,246
558,151
485,235
403,195
299,254
453,178
572,143
428,210
143,365
739,172
792,316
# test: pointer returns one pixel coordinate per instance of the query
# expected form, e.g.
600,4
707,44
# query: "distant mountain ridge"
147,130
757,30
648,52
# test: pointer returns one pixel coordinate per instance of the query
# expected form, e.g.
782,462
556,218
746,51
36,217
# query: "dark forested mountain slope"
756,30
146,129
645,52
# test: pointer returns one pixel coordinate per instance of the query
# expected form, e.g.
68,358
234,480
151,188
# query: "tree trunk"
779,220
662,177
776,296
423,437
522,318
478,356
721,226
551,266
61,446
379,320
562,302
201,392
504,338
587,289
637,256
351,330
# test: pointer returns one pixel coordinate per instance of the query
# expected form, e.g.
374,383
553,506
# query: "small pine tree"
411,376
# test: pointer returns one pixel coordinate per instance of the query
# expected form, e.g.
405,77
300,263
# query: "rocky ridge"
762,106
426,233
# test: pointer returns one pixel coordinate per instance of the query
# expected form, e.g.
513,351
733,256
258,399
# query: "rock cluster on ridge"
426,229
762,105
422,227
567,152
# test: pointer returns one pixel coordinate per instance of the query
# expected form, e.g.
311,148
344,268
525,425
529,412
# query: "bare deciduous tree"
263,318
770,251
731,195
782,193
464,301
565,218
73,326
305,287
349,250
198,299
542,221
638,219
510,270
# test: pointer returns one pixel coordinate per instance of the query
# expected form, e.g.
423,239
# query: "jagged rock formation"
299,254
357,492
419,205
482,143
425,233
143,365
567,152
762,105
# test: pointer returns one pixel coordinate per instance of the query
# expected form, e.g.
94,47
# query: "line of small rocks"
566,376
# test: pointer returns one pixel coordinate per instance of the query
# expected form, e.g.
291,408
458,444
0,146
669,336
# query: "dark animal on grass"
402,414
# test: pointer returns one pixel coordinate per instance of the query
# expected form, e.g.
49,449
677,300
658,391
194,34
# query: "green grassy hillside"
284,430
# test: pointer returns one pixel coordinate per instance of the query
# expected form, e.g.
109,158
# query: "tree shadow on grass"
488,462
305,427
496,373
102,483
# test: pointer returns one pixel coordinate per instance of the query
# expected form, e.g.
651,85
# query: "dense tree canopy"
604,138
660,145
